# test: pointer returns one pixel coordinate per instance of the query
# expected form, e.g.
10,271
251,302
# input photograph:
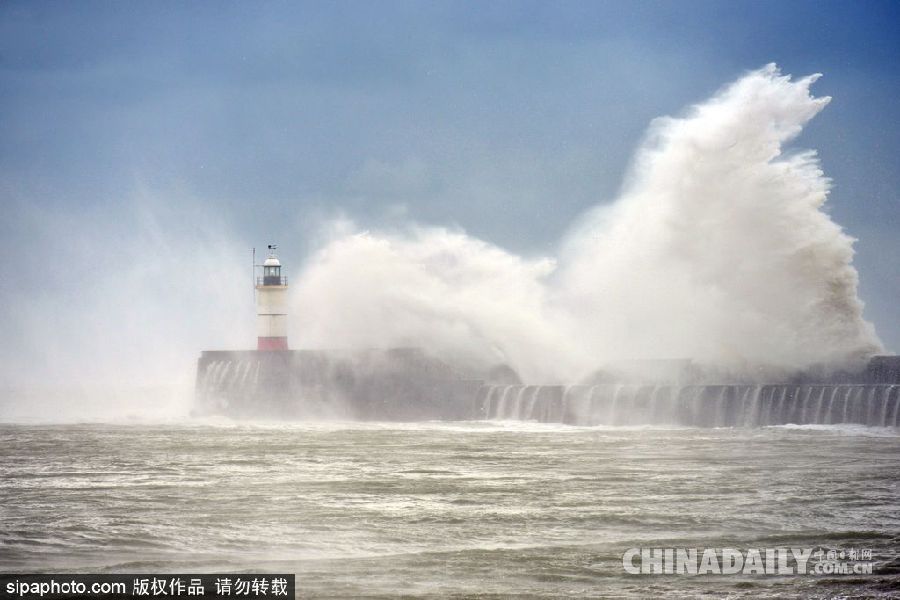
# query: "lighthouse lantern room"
271,305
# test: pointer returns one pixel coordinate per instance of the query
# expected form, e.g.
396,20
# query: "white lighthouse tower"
271,305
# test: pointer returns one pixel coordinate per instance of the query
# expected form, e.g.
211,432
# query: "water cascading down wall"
694,405
406,385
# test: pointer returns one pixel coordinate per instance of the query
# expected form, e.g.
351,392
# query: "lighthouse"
271,305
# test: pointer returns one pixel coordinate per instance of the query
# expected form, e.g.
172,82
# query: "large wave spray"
718,250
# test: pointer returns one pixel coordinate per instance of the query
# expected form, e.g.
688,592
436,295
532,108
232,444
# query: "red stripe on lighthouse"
271,343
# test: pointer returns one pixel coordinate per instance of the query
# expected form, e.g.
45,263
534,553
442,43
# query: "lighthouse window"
272,275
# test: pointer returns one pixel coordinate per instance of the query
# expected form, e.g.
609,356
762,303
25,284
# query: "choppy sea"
476,509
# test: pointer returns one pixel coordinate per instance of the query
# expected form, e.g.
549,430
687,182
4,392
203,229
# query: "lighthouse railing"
272,280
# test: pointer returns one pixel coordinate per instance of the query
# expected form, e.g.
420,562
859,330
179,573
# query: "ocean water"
479,509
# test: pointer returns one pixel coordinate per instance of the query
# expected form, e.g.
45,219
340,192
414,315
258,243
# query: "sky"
145,147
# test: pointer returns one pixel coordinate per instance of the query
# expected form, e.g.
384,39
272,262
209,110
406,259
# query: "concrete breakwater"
401,384
406,384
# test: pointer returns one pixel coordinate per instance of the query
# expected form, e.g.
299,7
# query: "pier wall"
405,384
396,384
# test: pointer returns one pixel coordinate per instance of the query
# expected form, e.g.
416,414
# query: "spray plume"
718,249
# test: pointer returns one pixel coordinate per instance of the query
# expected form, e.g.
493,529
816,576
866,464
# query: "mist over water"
116,316
718,249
